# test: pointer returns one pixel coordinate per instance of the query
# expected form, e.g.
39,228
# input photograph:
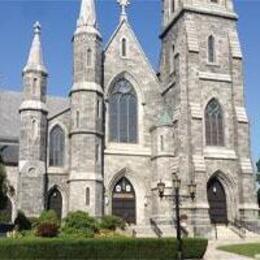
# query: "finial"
35,58
37,28
123,4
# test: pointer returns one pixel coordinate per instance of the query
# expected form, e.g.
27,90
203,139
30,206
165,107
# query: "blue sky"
58,19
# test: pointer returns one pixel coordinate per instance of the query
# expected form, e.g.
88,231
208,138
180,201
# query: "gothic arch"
229,186
128,76
137,185
140,102
66,146
56,188
214,136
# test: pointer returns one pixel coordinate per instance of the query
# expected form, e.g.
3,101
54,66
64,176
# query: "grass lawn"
250,250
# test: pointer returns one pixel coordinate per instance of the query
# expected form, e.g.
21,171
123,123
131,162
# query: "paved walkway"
214,254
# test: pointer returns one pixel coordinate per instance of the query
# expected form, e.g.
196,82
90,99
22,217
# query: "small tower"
33,131
86,135
162,159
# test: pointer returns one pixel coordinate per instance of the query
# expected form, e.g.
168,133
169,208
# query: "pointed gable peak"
35,58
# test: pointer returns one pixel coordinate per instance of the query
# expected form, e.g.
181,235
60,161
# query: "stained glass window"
211,49
214,124
123,113
57,140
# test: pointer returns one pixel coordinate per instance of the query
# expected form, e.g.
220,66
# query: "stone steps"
149,231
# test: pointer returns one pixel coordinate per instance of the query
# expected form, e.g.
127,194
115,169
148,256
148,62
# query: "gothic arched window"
124,47
57,144
214,124
89,57
123,113
211,49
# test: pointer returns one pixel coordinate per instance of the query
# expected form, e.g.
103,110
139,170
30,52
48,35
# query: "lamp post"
176,186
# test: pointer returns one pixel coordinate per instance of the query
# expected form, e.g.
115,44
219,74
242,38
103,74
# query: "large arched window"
57,144
214,124
211,49
123,113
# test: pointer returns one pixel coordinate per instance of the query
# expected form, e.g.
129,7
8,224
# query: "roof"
165,118
9,153
10,102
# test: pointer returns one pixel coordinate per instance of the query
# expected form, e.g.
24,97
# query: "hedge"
126,248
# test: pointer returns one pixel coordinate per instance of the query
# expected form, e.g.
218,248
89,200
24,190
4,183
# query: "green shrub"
111,223
79,224
48,216
56,248
22,222
34,221
47,230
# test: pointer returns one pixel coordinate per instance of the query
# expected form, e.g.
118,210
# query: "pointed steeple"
87,21
35,58
87,15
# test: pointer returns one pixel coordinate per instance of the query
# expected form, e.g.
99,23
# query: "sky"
58,20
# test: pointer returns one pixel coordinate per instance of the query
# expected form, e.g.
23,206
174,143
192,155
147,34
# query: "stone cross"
123,4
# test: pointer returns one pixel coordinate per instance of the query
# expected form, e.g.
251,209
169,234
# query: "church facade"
125,128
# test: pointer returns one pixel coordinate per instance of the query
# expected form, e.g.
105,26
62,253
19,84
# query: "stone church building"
125,128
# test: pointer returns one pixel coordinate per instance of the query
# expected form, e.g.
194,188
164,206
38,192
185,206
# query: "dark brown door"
55,202
6,212
217,202
123,201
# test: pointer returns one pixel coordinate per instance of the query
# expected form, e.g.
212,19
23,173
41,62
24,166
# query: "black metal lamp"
161,187
192,189
176,182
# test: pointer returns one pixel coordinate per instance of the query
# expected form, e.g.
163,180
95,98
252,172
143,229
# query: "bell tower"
201,61
86,135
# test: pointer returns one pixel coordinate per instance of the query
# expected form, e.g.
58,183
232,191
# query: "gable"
134,52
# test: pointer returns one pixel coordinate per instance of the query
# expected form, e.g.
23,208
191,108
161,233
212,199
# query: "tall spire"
123,4
35,58
87,15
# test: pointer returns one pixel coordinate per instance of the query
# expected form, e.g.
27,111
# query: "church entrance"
217,202
123,201
6,213
55,202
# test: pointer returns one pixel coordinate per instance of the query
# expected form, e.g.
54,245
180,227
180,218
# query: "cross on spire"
123,4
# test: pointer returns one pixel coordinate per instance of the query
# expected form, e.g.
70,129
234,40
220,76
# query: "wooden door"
217,202
123,201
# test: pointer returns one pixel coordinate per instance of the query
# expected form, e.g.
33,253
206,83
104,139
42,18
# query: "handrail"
238,228
155,228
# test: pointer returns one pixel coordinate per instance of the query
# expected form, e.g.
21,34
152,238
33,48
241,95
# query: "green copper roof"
165,118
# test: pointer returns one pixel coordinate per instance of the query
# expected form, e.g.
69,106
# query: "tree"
3,185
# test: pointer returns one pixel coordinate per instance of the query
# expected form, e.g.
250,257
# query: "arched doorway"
123,201
6,213
217,201
55,201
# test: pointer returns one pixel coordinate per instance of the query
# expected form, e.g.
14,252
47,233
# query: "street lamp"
161,187
192,189
177,186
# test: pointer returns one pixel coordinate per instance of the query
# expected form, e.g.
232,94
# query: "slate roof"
10,102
